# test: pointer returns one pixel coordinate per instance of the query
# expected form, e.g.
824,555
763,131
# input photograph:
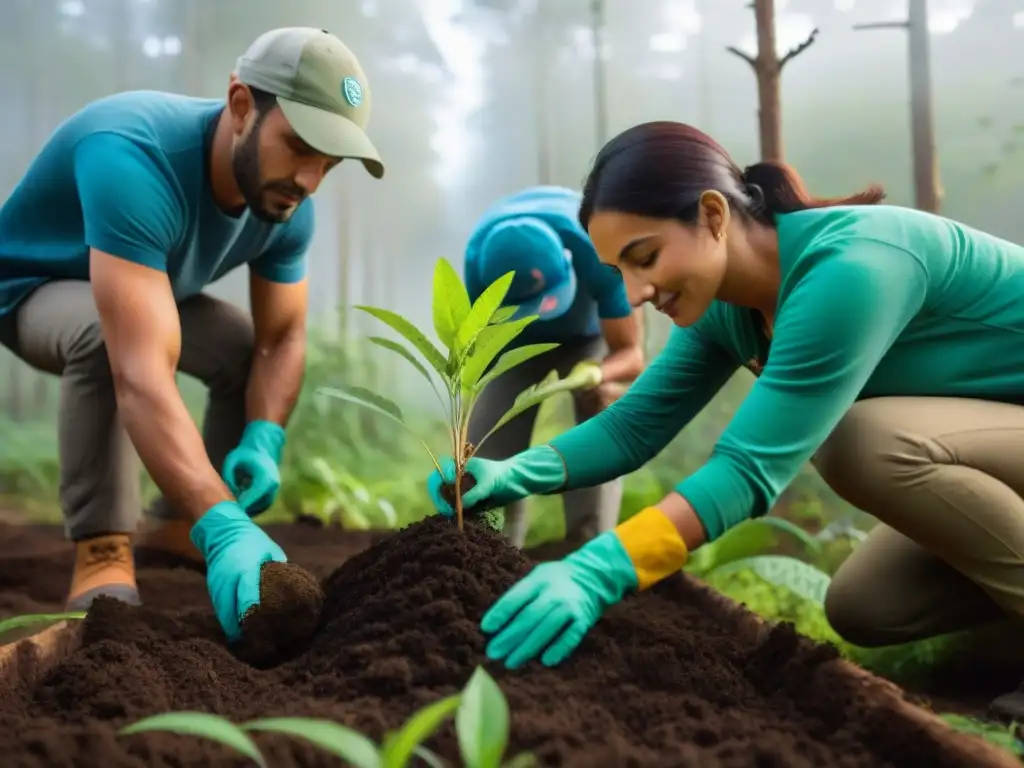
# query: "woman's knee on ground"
855,614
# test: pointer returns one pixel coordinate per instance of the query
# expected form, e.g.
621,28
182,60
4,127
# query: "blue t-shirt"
128,175
600,292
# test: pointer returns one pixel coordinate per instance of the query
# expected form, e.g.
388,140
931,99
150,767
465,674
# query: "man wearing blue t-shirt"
135,205
580,304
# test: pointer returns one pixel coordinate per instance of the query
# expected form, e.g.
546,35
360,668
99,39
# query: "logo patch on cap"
352,91
550,304
538,279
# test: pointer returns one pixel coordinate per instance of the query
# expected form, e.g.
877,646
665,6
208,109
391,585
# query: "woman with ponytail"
889,349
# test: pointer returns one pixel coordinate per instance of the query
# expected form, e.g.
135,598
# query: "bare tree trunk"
927,190
597,31
768,68
926,184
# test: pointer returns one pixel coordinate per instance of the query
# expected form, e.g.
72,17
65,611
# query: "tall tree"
767,66
927,190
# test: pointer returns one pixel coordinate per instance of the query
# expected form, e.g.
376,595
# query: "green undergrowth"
1006,736
480,712
786,588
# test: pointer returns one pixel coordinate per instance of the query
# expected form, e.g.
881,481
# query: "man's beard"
245,162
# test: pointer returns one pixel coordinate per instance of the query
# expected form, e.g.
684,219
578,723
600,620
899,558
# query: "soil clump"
288,613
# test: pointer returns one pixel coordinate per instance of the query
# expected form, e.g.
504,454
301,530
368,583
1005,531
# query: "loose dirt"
668,678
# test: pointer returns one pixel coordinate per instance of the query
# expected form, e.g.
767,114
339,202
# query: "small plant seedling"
481,726
15,627
474,334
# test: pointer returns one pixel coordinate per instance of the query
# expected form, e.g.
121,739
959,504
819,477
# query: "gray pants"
588,511
57,330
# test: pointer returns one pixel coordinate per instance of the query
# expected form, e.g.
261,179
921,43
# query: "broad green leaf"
400,746
344,743
488,345
482,311
397,347
412,334
202,724
798,533
798,577
748,539
481,722
511,359
503,314
451,303
31,619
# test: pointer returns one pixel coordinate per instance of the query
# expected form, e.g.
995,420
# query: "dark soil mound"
667,678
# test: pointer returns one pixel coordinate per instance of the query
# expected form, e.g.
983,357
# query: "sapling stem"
458,496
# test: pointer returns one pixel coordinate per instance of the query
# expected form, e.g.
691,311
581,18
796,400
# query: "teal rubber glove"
552,608
251,470
535,471
235,549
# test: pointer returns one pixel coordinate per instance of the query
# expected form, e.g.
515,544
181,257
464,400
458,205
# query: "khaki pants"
945,478
588,511
57,330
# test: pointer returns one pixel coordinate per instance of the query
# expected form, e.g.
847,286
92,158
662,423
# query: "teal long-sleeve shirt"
873,301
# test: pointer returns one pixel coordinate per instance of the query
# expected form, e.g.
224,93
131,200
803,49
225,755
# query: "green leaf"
367,399
798,577
378,404
203,724
432,759
481,722
511,359
30,619
397,347
400,746
412,334
750,538
488,345
535,395
451,303
482,311
522,760
503,314
798,533
344,743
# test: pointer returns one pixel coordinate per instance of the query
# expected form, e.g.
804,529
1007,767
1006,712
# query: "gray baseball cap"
320,86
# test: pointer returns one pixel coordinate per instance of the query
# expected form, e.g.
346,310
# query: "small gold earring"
718,235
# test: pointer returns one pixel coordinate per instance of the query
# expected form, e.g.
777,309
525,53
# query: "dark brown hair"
263,102
660,170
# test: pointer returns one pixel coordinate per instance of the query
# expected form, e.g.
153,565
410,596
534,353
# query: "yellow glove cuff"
653,544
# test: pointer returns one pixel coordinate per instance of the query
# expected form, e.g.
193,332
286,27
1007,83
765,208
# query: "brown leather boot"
166,544
103,567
